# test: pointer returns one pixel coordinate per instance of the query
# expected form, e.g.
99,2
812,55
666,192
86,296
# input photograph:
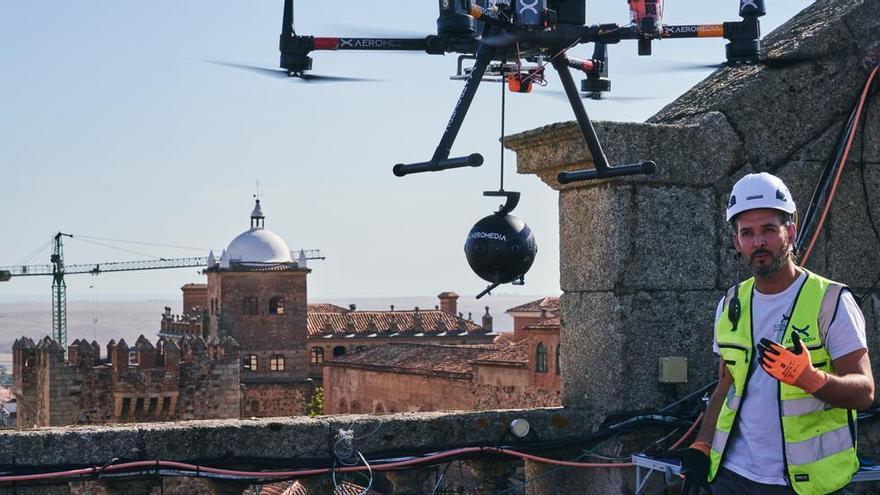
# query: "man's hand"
694,467
791,367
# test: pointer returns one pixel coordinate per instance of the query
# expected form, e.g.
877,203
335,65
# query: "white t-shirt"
755,452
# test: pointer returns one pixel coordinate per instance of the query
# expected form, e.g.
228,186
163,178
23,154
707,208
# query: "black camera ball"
500,248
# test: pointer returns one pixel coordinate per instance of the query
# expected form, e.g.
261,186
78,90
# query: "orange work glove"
791,366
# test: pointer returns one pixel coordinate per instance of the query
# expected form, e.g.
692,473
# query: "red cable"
311,472
843,158
687,433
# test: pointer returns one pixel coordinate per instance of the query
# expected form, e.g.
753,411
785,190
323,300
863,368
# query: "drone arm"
441,160
694,31
371,44
602,169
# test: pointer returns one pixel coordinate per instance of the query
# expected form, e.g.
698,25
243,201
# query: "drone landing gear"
441,160
602,170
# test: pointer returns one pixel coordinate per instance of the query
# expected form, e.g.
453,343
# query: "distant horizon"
14,298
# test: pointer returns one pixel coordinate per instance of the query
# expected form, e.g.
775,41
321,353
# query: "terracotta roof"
549,323
452,361
434,322
325,308
551,304
294,487
510,352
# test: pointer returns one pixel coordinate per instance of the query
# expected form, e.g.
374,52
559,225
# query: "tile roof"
325,308
509,352
452,361
549,323
551,304
434,322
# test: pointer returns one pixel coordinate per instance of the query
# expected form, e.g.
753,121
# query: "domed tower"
257,295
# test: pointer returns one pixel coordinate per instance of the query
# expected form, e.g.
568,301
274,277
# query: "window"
317,355
250,306
154,404
338,351
541,358
166,406
249,362
126,407
276,306
276,362
557,358
139,406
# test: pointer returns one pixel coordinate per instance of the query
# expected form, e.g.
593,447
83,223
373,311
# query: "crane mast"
59,291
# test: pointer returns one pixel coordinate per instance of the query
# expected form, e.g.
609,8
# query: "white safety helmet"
761,190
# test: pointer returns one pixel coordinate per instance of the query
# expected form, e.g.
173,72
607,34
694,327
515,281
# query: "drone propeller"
283,74
769,62
599,96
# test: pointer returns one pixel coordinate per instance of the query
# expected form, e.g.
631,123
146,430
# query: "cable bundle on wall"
820,203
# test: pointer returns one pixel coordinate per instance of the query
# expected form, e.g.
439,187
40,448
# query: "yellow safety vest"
819,440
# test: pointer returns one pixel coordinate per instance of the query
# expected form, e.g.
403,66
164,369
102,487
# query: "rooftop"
549,304
452,361
343,322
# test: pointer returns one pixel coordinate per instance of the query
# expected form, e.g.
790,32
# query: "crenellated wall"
192,380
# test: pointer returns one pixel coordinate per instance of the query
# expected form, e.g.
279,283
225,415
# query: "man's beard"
779,260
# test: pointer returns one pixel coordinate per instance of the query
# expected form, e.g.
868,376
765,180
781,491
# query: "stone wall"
644,260
194,380
355,390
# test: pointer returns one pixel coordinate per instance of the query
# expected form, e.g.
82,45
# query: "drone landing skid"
485,53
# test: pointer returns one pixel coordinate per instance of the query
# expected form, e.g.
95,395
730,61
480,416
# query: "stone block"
853,249
674,239
622,337
594,229
695,153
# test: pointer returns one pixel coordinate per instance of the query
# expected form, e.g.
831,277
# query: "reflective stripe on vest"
819,440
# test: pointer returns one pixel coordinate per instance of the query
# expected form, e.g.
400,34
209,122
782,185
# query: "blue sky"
111,125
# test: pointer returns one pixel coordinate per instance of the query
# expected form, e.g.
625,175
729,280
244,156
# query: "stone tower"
257,295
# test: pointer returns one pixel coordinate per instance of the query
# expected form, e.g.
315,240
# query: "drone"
513,42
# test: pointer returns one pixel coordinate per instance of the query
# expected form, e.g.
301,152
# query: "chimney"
448,302
352,307
487,321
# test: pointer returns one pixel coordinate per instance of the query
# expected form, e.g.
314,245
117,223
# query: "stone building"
334,331
187,379
518,370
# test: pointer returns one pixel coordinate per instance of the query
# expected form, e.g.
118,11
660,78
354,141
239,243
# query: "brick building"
517,370
187,379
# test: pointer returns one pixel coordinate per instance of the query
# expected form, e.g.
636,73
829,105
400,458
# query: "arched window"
250,306
557,358
276,306
317,355
276,362
339,351
541,358
249,362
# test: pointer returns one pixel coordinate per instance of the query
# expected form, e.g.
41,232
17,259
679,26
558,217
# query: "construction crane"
57,269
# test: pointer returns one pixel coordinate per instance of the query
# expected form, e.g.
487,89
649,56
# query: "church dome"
258,246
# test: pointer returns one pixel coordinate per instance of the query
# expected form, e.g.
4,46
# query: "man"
788,425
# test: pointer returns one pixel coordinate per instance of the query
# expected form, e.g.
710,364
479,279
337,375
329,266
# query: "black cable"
823,187
503,94
864,296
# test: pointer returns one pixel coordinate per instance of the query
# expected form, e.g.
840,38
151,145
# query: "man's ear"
791,228
735,241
